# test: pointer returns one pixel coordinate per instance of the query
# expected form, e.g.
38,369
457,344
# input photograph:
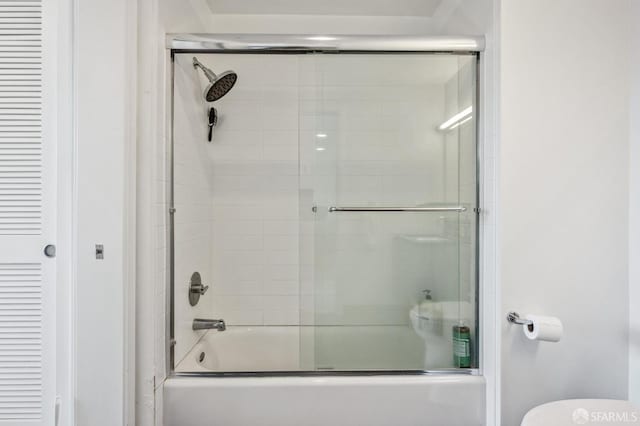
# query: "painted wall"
634,215
155,19
103,124
449,17
564,198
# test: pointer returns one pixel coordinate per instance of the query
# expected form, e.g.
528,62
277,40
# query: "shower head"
219,85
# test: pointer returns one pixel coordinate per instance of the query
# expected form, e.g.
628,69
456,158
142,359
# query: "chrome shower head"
219,85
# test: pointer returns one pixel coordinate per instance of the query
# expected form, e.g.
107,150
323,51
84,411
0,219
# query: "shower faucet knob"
196,288
199,289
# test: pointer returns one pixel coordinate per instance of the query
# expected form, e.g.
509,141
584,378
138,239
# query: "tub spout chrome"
206,324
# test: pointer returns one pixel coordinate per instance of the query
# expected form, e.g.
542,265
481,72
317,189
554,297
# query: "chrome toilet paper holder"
514,318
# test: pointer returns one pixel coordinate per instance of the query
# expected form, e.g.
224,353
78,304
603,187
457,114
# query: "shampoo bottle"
461,346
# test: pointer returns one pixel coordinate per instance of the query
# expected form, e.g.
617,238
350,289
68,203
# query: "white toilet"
571,412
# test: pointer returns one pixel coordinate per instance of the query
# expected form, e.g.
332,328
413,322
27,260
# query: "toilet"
571,412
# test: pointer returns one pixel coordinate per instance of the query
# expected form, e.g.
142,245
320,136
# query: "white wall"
65,308
103,123
155,19
564,198
634,215
450,17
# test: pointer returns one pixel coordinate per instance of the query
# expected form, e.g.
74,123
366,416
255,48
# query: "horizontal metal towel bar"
458,209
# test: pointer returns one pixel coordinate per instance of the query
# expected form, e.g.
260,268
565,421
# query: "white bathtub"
367,400
424,400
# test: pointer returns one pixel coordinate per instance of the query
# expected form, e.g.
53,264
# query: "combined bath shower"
219,85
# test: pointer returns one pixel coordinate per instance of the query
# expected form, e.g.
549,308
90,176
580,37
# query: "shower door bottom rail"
458,209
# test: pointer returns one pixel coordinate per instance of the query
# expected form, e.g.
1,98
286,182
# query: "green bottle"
461,346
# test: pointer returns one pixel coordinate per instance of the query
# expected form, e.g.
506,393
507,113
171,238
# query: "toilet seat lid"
592,412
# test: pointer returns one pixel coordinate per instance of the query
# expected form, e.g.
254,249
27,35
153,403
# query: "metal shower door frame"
308,44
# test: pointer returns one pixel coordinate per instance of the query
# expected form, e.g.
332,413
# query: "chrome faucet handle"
196,288
199,288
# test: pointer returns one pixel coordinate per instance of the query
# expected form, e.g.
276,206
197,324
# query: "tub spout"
205,324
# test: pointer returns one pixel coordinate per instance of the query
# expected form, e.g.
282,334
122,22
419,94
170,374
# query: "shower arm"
211,76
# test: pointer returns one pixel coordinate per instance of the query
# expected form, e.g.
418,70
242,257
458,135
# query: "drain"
201,357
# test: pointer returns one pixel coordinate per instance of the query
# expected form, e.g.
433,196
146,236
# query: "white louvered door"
27,212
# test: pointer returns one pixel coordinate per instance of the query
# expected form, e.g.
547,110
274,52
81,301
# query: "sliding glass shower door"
327,220
388,201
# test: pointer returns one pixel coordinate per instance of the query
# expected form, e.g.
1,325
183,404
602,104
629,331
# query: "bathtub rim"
349,378
452,372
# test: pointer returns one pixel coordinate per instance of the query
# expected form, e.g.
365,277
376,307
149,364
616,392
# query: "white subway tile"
281,242
281,137
237,227
239,316
280,153
239,302
280,317
226,243
225,137
234,273
282,257
236,288
281,288
239,258
280,227
236,212
281,302
281,272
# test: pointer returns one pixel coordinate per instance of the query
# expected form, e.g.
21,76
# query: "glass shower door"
388,193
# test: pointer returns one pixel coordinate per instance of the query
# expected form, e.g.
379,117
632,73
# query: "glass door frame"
300,44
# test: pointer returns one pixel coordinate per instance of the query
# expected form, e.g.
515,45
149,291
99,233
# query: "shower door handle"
458,209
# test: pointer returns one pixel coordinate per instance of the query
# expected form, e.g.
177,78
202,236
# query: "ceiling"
417,8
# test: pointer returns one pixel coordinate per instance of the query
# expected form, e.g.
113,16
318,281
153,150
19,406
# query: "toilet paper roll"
546,329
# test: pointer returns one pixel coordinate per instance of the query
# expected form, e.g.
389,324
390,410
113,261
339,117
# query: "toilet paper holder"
514,318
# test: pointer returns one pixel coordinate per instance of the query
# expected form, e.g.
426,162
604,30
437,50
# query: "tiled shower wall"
252,187
193,204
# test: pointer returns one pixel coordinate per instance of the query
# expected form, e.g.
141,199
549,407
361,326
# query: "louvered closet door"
27,215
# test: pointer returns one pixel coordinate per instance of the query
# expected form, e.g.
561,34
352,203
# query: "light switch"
99,251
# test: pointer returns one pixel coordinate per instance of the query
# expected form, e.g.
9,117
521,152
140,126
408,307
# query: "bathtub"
399,400
191,398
